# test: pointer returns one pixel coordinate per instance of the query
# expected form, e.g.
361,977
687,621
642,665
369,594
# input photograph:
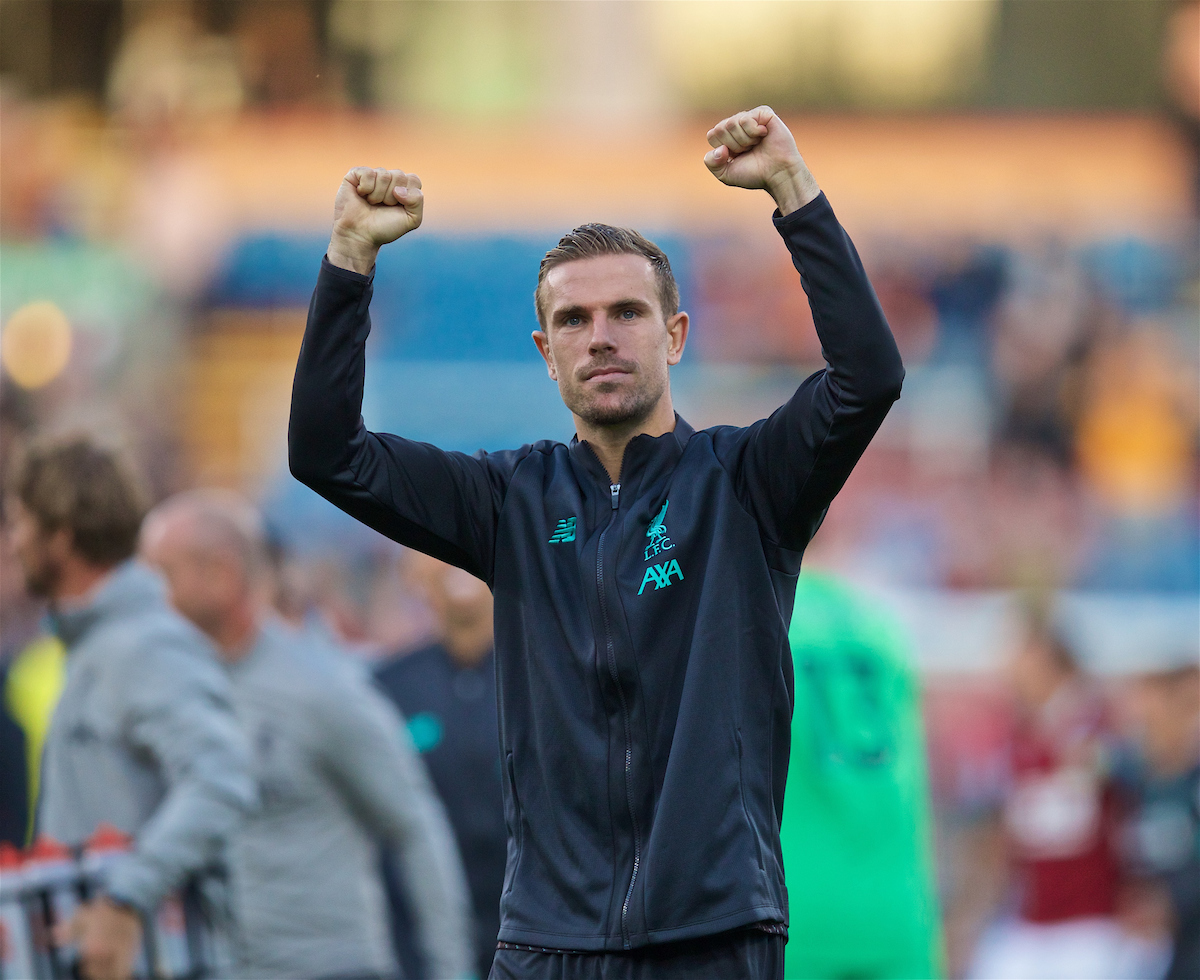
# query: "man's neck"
468,645
608,442
237,633
78,583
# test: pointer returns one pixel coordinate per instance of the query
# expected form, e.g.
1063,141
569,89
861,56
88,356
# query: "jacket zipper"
615,491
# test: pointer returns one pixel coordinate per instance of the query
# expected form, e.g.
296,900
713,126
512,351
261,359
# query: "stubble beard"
634,406
41,577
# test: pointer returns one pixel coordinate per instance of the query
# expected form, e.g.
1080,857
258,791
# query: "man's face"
1163,711
203,583
42,553
606,341
457,598
1033,672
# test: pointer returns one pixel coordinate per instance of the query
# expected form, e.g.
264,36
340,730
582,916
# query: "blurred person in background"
1060,825
335,772
168,77
1161,776
355,599
32,671
14,776
1181,73
856,813
32,683
447,691
32,662
144,736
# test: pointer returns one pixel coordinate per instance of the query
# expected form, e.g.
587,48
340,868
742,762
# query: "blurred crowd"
1068,838
1051,436
1047,440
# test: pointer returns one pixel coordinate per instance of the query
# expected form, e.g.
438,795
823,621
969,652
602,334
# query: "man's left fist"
755,149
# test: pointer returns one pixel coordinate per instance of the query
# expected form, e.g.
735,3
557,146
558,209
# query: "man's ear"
677,330
543,345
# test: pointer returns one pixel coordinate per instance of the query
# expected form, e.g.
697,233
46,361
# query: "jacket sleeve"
442,503
788,468
370,756
180,713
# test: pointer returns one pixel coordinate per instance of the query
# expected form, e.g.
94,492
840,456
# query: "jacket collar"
643,453
131,587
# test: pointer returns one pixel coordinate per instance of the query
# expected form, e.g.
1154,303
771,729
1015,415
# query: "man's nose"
603,337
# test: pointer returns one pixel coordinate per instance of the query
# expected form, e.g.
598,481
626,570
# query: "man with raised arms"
643,574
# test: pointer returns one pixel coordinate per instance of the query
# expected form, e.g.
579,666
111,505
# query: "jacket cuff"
132,882
786,223
329,269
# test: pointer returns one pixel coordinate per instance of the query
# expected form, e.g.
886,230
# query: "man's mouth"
606,372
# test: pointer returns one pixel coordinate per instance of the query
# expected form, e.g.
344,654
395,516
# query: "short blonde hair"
594,239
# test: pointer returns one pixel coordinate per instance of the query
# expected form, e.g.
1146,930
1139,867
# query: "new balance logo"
660,575
564,531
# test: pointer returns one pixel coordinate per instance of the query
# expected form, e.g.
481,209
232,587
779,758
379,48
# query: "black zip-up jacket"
643,670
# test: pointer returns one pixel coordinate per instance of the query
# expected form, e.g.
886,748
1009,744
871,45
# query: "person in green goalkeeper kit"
856,832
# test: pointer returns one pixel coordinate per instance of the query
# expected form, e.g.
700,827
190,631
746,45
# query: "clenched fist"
373,207
755,149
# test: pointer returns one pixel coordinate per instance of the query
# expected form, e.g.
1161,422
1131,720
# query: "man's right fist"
373,207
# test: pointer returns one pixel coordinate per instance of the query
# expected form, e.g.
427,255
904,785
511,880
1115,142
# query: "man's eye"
628,314
573,321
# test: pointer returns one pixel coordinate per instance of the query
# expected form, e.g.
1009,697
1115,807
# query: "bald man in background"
336,774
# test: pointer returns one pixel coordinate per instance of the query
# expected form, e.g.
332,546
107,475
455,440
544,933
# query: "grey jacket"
336,774
144,737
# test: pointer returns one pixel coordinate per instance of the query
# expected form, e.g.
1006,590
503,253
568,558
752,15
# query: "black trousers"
746,954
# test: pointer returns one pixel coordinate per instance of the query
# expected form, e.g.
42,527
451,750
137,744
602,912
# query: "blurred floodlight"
36,344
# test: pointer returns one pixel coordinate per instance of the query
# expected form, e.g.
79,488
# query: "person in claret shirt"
1060,825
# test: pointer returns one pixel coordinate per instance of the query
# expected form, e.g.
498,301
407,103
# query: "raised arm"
438,502
790,466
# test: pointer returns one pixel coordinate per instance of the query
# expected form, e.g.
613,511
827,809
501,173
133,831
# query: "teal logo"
661,575
657,533
564,531
426,731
